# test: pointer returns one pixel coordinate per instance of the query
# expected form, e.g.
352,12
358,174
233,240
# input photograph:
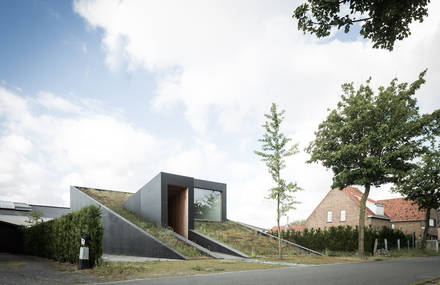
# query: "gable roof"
399,209
356,195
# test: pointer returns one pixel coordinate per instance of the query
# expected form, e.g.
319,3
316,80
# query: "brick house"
297,228
341,207
407,217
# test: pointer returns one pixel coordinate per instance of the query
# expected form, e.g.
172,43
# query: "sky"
107,94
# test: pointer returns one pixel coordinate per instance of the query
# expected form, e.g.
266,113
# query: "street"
390,272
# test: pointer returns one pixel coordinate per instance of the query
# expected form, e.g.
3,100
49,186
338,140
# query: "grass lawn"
111,271
115,200
412,253
244,239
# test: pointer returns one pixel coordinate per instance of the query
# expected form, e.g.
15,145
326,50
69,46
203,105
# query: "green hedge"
345,238
60,239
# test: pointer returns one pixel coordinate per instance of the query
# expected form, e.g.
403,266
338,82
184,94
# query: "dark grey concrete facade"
151,202
120,235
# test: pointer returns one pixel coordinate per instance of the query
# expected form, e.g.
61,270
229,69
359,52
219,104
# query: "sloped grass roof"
244,239
115,200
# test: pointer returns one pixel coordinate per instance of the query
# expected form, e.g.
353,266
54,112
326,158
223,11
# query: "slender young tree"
273,152
422,184
370,139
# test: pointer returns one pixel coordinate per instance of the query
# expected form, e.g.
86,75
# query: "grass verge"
412,253
313,259
244,239
115,200
156,269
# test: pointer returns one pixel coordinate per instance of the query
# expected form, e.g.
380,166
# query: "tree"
384,22
370,139
273,153
422,184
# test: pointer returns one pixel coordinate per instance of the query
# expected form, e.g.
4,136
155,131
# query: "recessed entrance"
178,209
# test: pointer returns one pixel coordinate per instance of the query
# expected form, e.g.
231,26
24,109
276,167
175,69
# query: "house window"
431,223
392,226
342,215
329,216
207,205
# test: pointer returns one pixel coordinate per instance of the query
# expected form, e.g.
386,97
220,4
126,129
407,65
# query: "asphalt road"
390,272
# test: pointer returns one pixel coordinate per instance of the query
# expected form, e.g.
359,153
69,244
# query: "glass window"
329,216
207,205
431,222
342,215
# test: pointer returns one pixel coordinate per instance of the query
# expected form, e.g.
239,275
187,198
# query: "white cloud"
54,103
43,153
226,61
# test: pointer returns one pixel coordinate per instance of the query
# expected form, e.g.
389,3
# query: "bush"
344,238
60,239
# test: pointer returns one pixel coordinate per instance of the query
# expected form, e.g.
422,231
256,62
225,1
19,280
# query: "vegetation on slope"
244,239
115,200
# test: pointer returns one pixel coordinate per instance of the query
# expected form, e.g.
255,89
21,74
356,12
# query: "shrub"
344,238
60,239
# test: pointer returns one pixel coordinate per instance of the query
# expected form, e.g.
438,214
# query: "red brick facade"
337,201
398,213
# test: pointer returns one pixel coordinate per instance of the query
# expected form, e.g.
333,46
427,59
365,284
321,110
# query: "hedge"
345,238
60,239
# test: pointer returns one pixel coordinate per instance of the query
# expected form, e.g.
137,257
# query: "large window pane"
207,204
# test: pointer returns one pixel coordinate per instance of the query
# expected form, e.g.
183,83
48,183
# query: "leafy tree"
370,139
273,153
384,22
422,184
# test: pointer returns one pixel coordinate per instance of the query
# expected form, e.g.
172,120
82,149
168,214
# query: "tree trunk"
362,207
425,231
279,230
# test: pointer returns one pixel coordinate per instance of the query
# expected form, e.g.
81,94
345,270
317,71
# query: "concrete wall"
120,235
147,201
151,201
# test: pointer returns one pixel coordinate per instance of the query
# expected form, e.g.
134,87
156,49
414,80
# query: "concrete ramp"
122,237
214,245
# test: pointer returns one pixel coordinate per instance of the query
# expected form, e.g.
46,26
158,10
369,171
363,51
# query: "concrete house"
168,200
174,201
341,207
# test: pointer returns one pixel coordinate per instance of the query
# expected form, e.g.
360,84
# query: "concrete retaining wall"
120,235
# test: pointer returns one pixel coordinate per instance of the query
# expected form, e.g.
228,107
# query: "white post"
398,244
375,247
386,244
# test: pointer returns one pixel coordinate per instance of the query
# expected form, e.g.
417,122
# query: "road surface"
390,272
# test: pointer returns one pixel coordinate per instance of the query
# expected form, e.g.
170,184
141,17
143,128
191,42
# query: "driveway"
390,272
22,269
